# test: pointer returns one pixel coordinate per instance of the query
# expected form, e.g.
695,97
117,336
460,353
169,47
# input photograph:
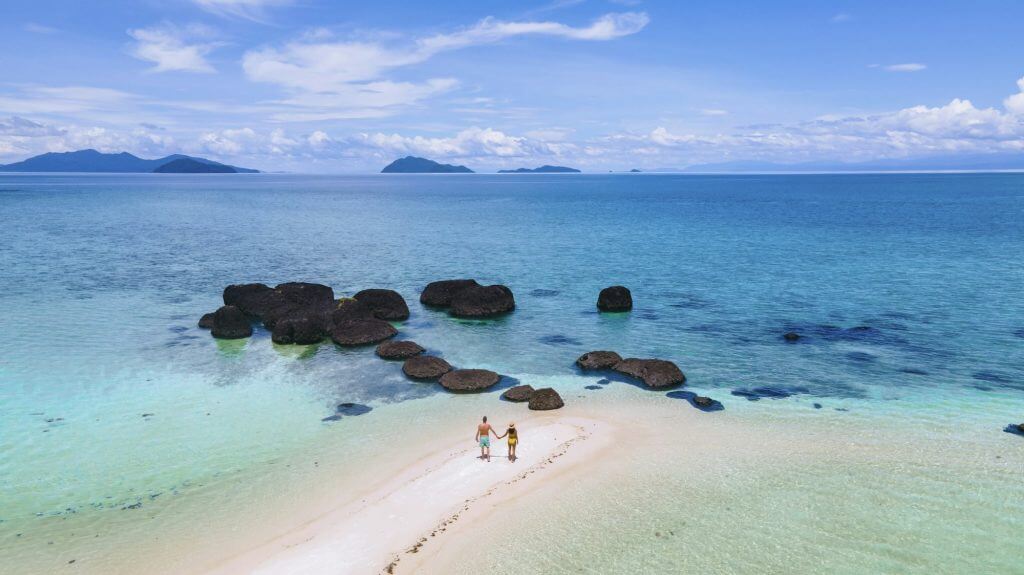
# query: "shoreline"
384,530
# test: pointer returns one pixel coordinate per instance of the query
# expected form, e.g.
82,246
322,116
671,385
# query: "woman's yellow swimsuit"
512,437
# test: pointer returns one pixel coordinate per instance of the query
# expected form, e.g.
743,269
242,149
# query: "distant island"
414,165
542,170
190,166
634,171
93,161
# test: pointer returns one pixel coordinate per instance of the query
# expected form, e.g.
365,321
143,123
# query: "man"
483,436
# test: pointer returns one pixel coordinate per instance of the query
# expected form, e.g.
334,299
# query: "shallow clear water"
104,278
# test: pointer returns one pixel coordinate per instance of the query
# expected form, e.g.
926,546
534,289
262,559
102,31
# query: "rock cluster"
467,298
306,313
655,373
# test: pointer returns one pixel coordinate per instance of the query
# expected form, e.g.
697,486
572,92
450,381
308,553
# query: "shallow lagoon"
105,276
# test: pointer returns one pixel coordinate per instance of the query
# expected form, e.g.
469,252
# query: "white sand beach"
410,513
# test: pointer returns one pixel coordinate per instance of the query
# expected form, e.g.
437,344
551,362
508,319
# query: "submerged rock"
469,379
399,349
425,367
439,293
655,373
230,323
1015,428
598,360
482,301
791,336
518,393
300,329
386,304
615,298
698,401
362,332
206,322
545,399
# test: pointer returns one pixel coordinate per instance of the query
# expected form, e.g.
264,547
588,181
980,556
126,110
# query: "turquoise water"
104,278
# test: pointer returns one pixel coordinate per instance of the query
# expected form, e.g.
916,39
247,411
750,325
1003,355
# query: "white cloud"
908,67
713,112
64,100
472,142
1015,103
255,10
841,17
172,48
346,78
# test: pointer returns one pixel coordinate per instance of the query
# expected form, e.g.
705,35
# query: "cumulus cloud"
20,138
173,48
338,79
1015,103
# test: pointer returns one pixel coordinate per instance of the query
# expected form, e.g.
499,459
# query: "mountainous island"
93,161
414,165
542,170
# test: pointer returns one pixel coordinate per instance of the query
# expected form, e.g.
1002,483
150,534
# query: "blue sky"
318,86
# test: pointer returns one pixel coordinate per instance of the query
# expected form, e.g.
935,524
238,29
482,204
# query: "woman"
513,440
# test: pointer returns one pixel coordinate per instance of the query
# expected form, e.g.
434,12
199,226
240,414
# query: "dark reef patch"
1015,428
700,402
860,357
769,392
914,371
593,387
559,339
544,292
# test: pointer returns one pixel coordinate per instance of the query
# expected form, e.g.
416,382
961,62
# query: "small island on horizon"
545,169
415,165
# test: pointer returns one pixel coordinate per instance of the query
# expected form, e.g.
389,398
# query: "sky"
324,86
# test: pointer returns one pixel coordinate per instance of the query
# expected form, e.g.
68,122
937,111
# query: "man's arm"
477,437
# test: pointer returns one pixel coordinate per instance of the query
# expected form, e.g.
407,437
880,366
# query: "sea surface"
122,423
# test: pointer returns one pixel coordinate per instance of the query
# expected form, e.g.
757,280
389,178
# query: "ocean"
122,424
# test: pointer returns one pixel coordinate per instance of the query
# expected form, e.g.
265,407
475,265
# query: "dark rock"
362,332
592,387
654,373
598,360
615,298
386,304
518,393
439,293
703,401
425,367
299,329
399,349
544,399
286,300
206,322
349,309
334,417
469,379
482,301
791,336
246,297
230,323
